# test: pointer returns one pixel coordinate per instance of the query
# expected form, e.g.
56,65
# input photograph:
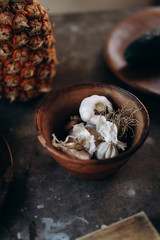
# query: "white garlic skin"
87,108
84,138
106,150
80,154
71,148
108,130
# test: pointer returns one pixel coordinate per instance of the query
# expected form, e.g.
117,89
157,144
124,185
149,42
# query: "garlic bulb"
95,135
106,150
92,106
84,138
109,132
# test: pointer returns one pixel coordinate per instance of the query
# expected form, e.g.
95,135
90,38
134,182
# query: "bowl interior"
56,110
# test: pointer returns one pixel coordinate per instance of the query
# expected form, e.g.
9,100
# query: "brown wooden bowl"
144,78
6,168
55,111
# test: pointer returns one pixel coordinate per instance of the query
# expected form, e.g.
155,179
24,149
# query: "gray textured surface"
44,202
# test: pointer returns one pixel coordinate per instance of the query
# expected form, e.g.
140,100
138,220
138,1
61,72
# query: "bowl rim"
58,154
9,149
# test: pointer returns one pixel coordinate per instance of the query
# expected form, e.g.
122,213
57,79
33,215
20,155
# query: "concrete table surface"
45,202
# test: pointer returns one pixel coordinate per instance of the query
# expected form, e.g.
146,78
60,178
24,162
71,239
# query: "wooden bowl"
6,168
55,111
144,78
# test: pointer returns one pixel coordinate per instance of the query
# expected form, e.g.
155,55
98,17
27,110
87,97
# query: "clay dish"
6,168
55,111
144,78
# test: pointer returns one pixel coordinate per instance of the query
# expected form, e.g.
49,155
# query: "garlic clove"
107,129
71,148
82,154
101,149
106,150
109,132
111,151
114,152
84,138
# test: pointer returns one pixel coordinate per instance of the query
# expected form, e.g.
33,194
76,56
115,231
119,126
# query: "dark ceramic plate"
6,168
146,79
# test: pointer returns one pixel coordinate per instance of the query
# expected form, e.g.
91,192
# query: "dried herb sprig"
124,120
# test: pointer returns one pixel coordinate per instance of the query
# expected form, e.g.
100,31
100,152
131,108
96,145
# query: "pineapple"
27,50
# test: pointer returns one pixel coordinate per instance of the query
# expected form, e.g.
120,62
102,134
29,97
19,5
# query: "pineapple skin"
27,51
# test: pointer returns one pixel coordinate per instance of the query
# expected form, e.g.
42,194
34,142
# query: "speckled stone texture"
45,202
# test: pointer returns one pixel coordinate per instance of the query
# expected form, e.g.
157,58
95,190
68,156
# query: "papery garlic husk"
84,138
106,150
69,143
109,132
71,147
92,106
92,130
